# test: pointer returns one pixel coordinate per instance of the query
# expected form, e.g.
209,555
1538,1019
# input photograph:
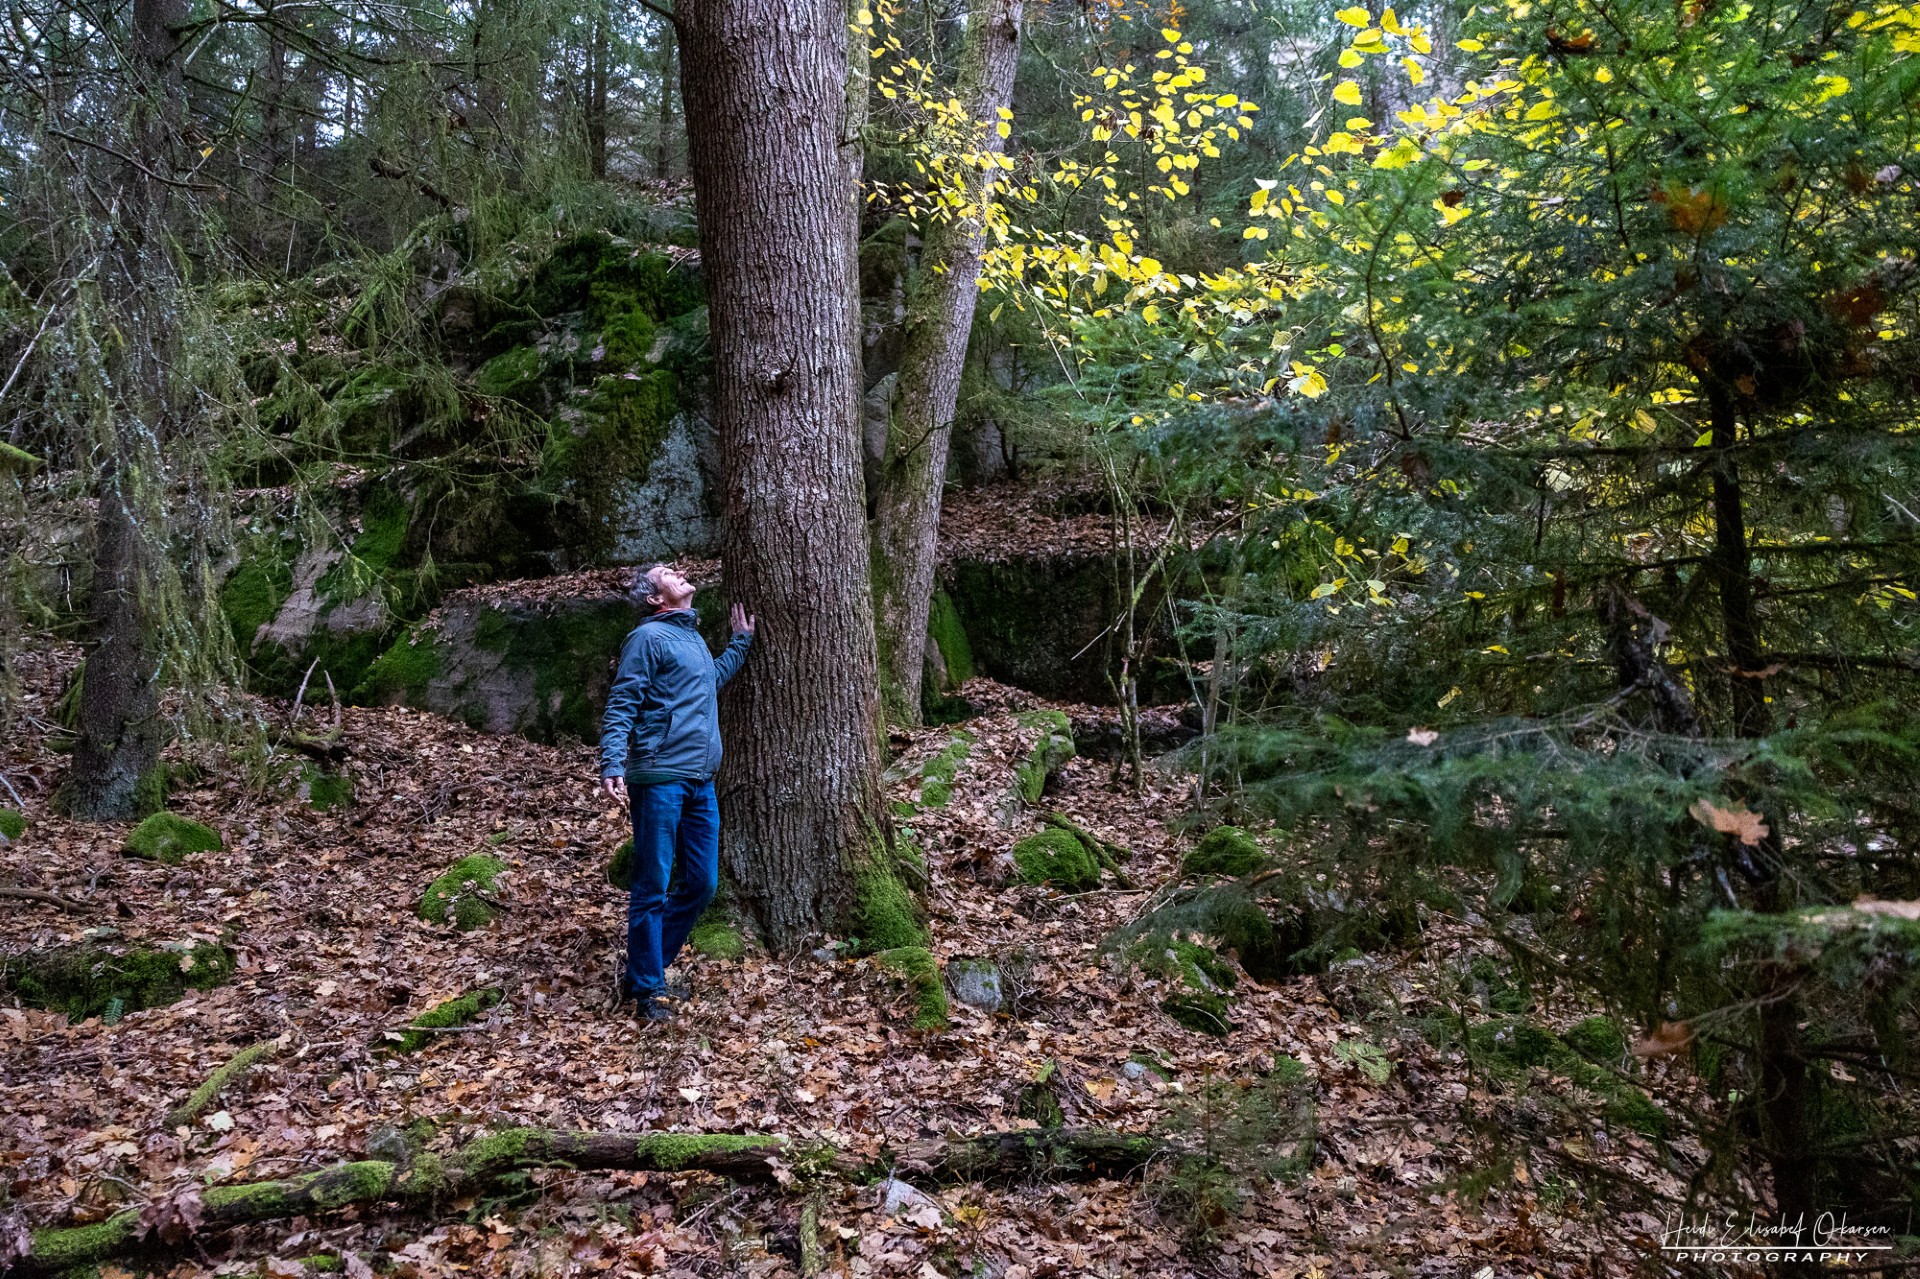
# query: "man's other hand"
615,787
742,620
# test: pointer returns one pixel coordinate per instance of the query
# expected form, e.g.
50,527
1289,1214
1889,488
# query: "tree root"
427,1181
233,1072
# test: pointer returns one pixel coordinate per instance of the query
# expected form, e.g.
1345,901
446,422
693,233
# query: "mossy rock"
620,866
1227,851
1057,857
324,790
936,776
454,1012
1053,749
91,981
171,839
1598,1039
13,823
456,897
1040,1099
1199,982
1510,1047
921,971
884,915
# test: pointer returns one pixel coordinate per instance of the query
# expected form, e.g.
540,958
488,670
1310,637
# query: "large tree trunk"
116,760
906,518
763,85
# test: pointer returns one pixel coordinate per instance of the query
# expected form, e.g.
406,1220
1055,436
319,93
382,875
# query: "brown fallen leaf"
1668,1037
175,1217
1739,821
1892,910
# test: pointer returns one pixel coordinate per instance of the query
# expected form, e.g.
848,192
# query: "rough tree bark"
763,92
906,518
116,759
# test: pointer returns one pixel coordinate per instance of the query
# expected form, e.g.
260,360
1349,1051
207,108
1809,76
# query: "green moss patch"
922,973
1513,1047
454,1012
1057,857
91,981
620,866
171,838
936,776
1199,983
884,916
324,790
13,823
401,674
457,896
1227,851
717,936
1053,749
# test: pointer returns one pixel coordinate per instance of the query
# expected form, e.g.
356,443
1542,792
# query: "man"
659,749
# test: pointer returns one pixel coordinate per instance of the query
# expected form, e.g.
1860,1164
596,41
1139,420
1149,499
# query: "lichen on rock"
171,839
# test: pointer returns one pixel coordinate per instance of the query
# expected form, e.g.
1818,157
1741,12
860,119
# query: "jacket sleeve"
623,703
731,659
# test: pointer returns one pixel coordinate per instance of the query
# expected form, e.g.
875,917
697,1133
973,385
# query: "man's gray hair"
645,591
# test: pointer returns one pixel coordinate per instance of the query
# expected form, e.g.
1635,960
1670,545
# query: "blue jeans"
672,822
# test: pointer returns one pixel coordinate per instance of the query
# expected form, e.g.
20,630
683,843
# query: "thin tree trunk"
116,760
763,84
1785,1092
906,520
663,128
599,79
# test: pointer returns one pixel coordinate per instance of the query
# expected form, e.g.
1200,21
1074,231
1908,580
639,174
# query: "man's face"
668,583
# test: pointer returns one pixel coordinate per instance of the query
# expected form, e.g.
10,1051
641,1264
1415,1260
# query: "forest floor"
319,909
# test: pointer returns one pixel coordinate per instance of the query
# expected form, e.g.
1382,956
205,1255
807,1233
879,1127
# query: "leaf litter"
318,910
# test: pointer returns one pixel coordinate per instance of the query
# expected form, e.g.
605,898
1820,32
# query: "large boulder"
536,666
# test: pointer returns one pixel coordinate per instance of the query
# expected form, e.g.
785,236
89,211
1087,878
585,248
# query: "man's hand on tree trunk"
615,787
742,620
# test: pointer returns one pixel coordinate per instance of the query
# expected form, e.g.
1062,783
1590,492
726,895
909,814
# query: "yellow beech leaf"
1471,46
1355,17
1349,59
1348,92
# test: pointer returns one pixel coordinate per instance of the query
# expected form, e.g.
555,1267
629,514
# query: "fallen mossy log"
427,1180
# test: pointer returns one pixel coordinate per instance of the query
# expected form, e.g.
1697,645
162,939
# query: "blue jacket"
663,713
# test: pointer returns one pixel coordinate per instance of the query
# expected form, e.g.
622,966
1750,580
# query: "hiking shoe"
654,1009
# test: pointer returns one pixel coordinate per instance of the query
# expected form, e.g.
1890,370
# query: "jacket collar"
685,618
